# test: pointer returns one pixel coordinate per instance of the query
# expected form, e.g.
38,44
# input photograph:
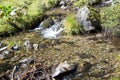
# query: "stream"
44,53
95,57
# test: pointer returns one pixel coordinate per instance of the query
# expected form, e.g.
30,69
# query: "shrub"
49,3
110,19
71,25
27,13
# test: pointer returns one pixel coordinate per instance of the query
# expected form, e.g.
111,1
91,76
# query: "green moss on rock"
71,25
28,13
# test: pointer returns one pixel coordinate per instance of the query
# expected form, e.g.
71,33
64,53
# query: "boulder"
63,68
88,18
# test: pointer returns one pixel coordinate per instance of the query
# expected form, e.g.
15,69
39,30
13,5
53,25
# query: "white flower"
12,13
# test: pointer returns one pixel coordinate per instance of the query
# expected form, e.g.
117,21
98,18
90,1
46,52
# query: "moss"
49,3
48,22
95,18
71,25
115,78
6,28
28,14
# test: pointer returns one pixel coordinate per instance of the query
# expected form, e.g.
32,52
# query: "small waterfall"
39,27
53,32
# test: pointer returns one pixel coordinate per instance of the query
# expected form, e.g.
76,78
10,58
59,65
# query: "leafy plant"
110,19
49,3
5,10
11,43
27,13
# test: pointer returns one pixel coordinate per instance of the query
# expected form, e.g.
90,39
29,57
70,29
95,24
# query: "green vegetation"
21,14
95,18
114,78
49,3
71,25
111,18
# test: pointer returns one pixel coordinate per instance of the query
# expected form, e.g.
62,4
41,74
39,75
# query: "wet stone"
41,46
6,55
26,61
15,47
0,44
84,55
16,58
62,2
64,71
3,66
28,44
35,47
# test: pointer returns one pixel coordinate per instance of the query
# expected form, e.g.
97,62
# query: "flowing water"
92,55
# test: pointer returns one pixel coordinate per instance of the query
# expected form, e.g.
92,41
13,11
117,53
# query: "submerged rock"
27,44
16,58
0,44
6,55
35,47
63,7
47,23
26,60
62,68
41,46
15,47
3,67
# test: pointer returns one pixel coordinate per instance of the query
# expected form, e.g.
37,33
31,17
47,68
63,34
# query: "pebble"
62,2
27,44
6,55
35,47
63,7
26,60
16,58
15,47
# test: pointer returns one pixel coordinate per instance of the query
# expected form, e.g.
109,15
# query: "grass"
110,19
71,25
28,13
